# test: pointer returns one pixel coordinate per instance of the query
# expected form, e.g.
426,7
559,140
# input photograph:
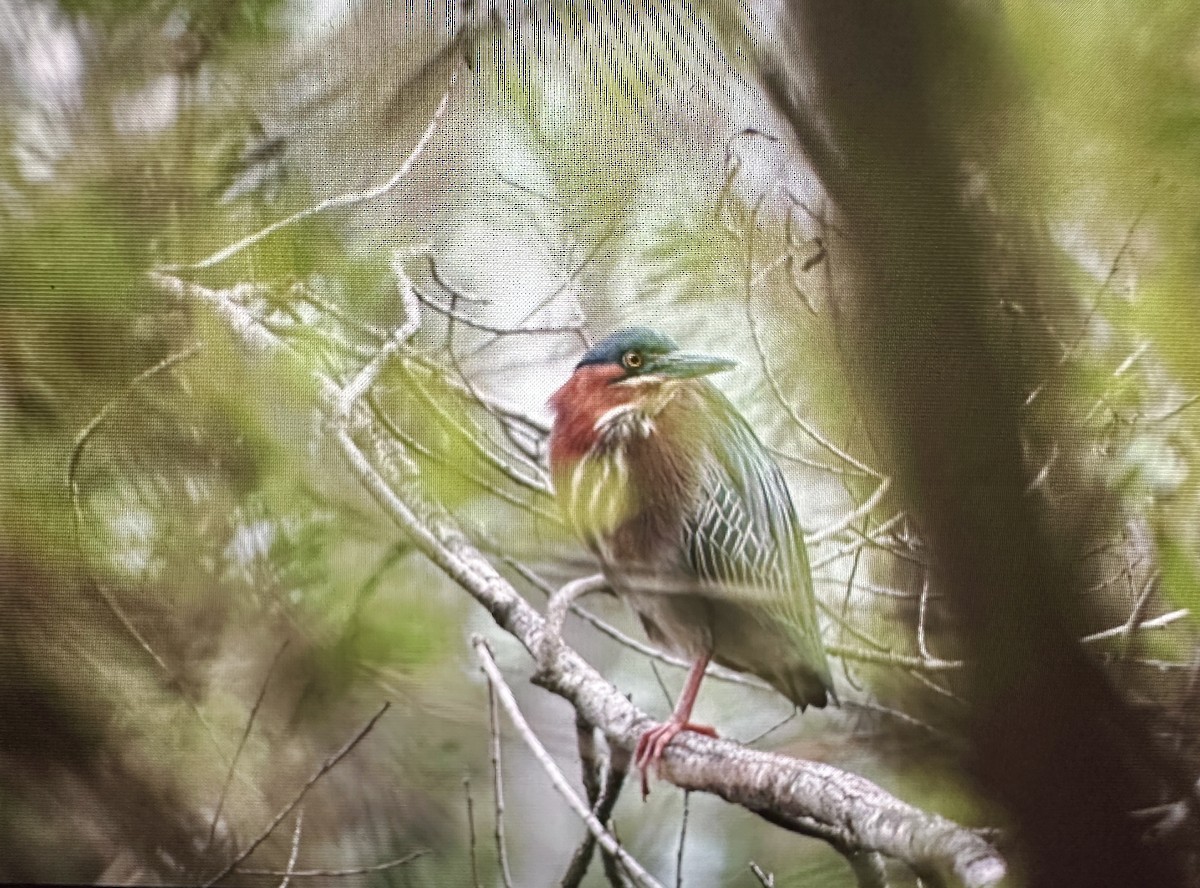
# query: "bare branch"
320,873
767,880
469,321
337,201
564,599
603,800
498,788
683,822
291,864
842,523
262,692
603,836
782,399
471,832
1125,628
366,377
326,766
864,540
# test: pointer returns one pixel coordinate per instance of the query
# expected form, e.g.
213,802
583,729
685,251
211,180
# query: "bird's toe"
653,743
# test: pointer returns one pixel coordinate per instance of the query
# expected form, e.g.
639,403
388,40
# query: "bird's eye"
632,360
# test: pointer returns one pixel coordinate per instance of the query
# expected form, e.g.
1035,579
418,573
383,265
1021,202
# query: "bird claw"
653,743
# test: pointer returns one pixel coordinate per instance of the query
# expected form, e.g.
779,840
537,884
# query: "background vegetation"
952,249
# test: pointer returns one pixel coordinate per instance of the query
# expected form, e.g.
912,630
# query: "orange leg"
651,744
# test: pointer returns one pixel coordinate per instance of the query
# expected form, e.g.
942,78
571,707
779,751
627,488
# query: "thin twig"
782,400
683,822
454,291
843,621
539,484
471,832
86,433
498,787
767,880
775,727
589,257
603,836
77,451
812,463
457,467
291,864
1137,612
530,449
535,427
1174,411
890,658
923,679
319,873
79,446
904,717
849,518
335,202
262,692
662,685
370,371
865,540
1153,623
1070,351
326,766
468,321
874,588
922,612
602,798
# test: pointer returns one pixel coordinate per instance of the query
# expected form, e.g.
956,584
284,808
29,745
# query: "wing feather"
744,536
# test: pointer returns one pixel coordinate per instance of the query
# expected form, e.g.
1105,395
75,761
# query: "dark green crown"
645,341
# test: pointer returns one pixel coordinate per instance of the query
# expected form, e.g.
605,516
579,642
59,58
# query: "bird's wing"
743,533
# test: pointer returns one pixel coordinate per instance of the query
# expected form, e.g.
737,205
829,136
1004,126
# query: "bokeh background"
200,603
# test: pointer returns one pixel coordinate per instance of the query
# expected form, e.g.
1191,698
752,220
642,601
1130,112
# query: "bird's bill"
685,366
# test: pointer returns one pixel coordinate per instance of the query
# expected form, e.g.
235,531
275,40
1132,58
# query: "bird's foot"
653,742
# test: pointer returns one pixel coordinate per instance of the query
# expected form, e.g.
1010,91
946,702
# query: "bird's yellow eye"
632,360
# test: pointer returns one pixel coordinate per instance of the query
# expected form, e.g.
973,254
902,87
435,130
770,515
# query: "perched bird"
690,519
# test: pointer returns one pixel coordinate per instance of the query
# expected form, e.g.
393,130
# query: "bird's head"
632,368
639,358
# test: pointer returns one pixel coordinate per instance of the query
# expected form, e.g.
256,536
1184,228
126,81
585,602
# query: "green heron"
690,518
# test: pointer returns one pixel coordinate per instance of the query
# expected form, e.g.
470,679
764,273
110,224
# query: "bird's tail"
804,686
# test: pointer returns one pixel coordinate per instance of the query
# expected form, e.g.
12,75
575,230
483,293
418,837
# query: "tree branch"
326,766
498,686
